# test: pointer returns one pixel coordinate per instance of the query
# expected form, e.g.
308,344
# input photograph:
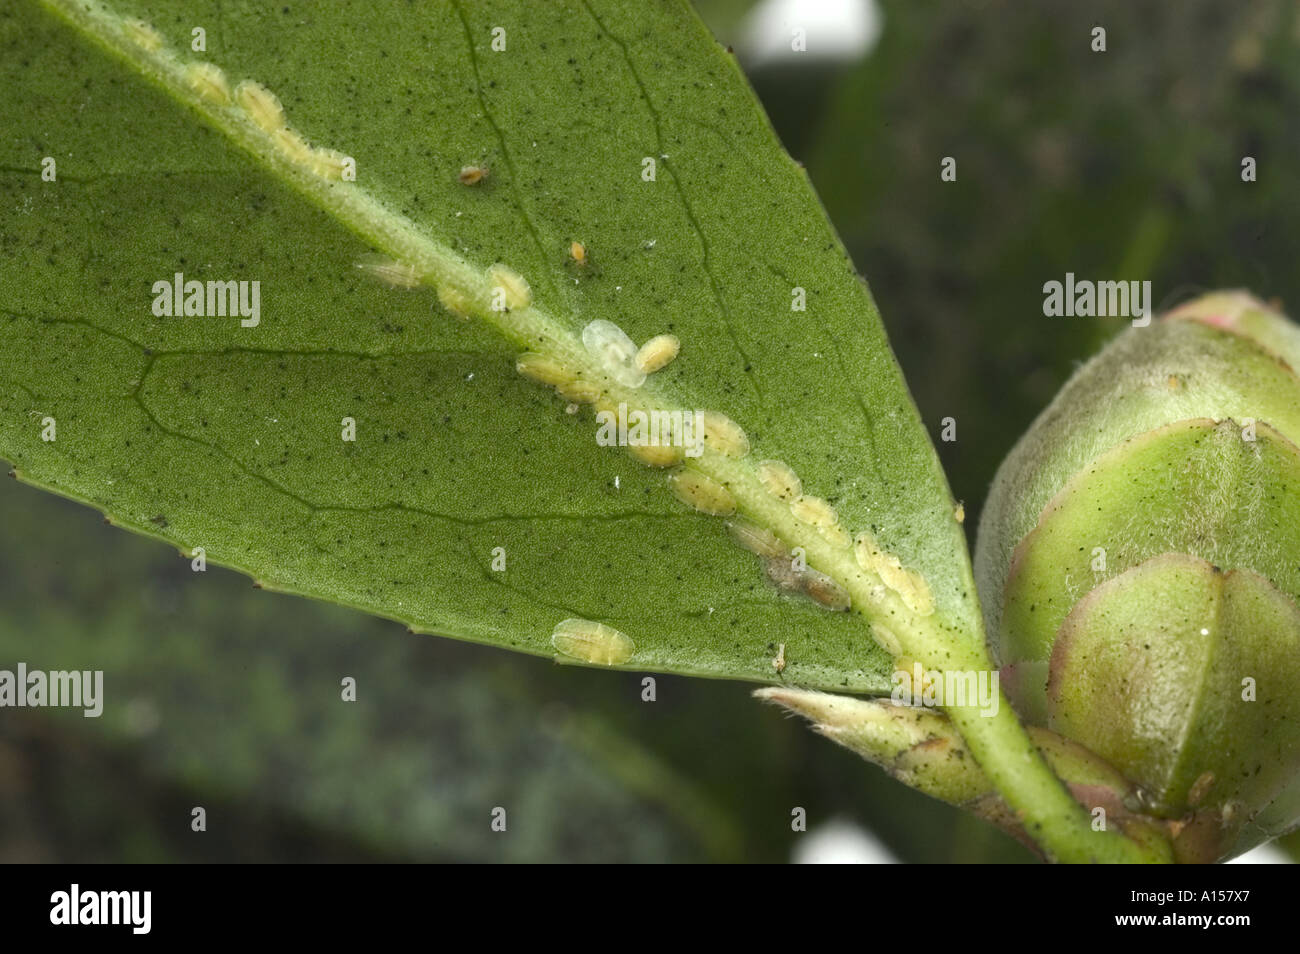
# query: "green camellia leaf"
469,504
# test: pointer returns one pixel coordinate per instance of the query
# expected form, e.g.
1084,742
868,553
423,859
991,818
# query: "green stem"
923,749
1045,808
1047,811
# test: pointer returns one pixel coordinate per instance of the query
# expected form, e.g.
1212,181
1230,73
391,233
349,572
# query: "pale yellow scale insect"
814,511
518,294
662,455
291,145
579,391
886,639
723,434
657,353
578,252
780,479
867,551
455,301
835,535
544,370
592,642
209,82
143,35
327,163
472,175
262,106
908,584
702,493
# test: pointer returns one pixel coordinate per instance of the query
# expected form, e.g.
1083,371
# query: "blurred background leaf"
1117,165
234,704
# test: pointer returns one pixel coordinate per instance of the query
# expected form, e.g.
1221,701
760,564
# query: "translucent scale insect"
702,493
614,351
394,274
657,353
757,540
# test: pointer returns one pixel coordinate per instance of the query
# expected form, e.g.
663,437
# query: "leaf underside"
201,432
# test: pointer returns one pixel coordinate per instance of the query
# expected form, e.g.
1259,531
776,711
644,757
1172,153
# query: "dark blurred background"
1124,164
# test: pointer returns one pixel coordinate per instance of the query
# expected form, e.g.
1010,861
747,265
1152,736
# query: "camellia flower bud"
1139,565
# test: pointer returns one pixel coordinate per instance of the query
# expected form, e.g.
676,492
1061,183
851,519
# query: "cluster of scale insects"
619,359
208,81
